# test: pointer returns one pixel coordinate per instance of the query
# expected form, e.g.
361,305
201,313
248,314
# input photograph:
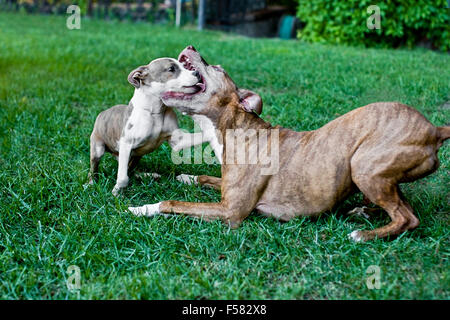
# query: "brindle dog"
371,149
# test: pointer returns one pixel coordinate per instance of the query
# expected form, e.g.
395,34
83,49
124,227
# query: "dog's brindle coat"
371,149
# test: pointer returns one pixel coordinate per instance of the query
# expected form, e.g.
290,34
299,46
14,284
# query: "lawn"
54,82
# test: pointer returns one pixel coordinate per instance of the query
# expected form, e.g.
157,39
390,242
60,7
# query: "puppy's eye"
171,69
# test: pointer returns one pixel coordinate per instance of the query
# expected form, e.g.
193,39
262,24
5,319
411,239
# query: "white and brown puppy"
371,149
133,130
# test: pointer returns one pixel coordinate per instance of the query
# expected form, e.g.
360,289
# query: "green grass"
53,83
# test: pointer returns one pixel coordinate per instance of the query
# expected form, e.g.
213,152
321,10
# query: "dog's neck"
147,102
228,114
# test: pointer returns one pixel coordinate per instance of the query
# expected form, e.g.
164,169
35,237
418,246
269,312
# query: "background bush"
403,22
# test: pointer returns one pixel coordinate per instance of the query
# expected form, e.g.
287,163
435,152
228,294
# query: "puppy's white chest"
142,128
209,134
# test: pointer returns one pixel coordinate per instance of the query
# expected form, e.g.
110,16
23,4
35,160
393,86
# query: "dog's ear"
250,101
137,75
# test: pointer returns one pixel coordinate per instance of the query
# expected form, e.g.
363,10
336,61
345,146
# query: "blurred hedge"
136,10
403,22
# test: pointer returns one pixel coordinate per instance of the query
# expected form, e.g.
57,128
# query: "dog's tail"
443,133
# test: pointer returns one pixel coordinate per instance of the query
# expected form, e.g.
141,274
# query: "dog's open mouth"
188,64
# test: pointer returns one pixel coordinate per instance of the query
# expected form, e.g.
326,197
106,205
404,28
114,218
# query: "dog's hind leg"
377,174
96,153
413,221
388,196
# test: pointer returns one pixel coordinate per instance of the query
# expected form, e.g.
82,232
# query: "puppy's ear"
137,75
250,101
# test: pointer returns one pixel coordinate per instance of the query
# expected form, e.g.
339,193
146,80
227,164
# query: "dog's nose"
191,48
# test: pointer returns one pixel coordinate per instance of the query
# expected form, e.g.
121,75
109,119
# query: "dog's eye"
171,69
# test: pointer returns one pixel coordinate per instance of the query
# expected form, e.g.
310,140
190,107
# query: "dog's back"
109,125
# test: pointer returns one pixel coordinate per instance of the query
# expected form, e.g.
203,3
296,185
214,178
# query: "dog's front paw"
187,179
115,191
357,236
148,210
86,185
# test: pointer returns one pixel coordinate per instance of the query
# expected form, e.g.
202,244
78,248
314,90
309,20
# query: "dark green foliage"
403,22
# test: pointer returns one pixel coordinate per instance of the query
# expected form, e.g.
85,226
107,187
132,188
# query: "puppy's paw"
86,185
359,212
187,179
148,174
116,191
148,210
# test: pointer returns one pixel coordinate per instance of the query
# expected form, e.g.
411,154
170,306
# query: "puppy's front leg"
122,172
180,140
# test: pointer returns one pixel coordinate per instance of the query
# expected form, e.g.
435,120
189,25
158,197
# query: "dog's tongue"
201,85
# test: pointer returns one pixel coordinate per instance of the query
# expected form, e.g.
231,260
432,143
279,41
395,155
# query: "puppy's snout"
191,48
197,75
